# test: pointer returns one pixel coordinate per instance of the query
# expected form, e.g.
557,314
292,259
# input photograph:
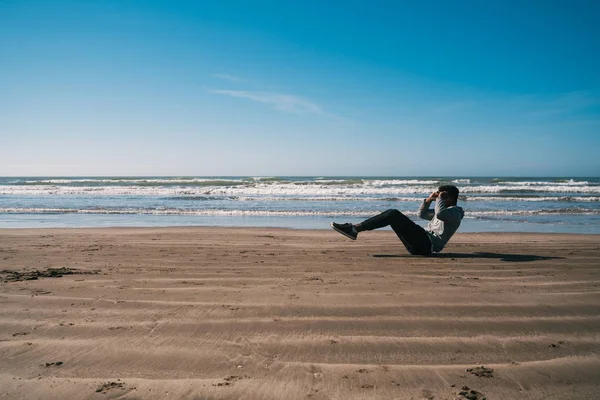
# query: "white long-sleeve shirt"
443,222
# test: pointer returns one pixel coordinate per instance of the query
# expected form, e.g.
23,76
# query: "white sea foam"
560,211
395,182
328,198
570,182
275,180
324,180
284,189
259,189
530,188
133,181
274,213
586,199
174,211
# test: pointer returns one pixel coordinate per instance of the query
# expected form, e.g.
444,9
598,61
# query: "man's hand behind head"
433,196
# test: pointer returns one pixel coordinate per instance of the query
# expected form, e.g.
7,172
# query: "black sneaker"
345,229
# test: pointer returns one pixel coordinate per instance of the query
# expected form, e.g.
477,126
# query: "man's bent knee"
393,212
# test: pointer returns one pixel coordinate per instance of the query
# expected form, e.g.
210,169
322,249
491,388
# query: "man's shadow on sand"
498,256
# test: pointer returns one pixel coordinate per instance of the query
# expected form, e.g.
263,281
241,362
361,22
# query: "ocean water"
491,203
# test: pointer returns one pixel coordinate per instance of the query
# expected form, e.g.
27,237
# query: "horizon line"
299,176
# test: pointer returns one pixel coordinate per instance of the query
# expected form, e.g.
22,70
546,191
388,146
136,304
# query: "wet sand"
218,313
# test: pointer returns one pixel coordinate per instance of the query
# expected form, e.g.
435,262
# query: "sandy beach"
257,313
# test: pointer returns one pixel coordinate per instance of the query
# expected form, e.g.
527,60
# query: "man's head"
451,194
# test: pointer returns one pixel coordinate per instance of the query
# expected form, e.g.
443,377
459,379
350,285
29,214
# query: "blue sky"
299,88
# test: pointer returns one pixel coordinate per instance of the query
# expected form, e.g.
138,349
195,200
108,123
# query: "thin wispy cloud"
230,78
281,102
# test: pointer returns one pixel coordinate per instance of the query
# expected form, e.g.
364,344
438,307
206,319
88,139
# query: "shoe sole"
342,232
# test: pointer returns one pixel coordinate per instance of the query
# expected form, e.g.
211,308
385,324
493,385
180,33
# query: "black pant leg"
413,236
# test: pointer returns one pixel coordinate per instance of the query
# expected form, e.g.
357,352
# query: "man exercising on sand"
444,220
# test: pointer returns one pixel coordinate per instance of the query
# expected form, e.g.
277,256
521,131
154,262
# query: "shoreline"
262,228
271,313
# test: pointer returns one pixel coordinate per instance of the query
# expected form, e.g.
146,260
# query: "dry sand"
216,313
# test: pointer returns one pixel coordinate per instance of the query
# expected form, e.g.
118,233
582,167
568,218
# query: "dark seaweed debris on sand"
57,363
17,276
482,372
109,385
471,394
230,380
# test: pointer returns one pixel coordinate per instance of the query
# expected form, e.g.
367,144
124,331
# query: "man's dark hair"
451,190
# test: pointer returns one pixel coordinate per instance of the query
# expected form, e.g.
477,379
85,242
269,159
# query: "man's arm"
424,211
